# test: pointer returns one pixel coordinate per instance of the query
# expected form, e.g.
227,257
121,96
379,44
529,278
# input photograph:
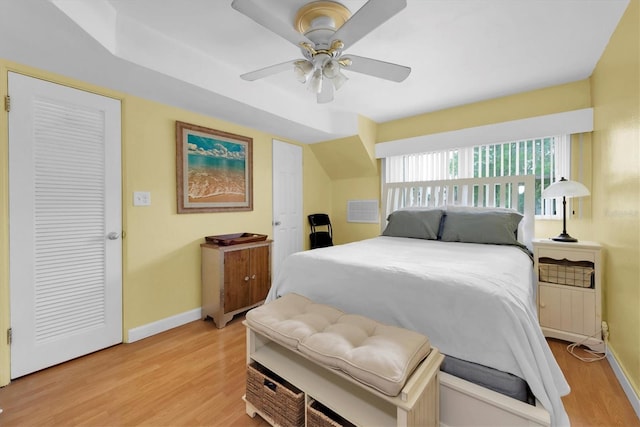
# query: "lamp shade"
315,82
303,70
565,188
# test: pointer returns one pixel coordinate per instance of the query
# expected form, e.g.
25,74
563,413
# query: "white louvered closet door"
64,201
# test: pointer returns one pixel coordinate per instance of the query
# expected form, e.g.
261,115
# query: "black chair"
323,237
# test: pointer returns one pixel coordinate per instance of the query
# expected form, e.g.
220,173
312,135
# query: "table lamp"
565,188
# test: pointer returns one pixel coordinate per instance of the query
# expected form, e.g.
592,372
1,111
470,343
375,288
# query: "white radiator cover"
365,211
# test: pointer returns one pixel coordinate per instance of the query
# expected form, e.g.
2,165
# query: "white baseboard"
162,325
624,382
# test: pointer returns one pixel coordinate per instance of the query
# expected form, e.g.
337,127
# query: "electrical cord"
597,355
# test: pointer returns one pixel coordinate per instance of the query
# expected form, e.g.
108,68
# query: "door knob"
113,236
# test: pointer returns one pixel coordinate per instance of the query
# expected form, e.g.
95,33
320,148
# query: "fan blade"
260,14
268,71
376,68
366,19
326,95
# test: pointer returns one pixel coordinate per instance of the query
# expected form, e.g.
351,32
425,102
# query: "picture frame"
214,170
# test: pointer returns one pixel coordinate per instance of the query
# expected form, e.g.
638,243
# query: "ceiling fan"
323,30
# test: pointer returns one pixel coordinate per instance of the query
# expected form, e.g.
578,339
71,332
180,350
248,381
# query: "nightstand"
235,278
569,279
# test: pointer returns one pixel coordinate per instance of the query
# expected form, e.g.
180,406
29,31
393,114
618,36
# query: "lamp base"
564,237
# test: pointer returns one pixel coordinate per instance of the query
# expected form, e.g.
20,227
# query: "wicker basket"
566,273
321,416
274,397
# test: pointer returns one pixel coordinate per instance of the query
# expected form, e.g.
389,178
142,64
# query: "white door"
287,202
65,215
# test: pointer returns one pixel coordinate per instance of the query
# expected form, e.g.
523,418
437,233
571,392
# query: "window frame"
436,165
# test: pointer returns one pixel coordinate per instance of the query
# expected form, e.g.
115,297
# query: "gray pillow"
414,223
497,227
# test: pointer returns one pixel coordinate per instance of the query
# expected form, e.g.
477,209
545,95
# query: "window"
547,158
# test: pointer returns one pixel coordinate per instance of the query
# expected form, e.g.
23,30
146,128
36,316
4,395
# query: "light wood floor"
194,376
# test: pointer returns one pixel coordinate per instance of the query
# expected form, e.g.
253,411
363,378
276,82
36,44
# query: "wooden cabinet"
570,290
235,278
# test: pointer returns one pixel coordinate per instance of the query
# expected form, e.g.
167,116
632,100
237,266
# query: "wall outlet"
605,330
141,198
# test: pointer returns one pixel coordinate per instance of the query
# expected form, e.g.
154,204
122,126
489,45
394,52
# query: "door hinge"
9,336
7,103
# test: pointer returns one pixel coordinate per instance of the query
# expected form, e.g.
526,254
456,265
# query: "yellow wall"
162,248
365,188
567,97
368,133
616,192
318,190
579,211
161,253
556,99
345,158
353,173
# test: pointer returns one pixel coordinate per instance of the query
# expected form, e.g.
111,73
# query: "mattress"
498,381
475,302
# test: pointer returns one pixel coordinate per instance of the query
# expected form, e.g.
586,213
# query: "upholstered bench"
337,358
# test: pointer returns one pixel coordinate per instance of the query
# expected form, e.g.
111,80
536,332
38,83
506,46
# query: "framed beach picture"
214,170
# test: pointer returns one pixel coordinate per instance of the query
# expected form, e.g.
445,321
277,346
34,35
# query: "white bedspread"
474,302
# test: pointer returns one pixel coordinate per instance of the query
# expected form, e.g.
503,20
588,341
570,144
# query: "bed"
432,271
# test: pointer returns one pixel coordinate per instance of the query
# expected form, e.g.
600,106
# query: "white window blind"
547,158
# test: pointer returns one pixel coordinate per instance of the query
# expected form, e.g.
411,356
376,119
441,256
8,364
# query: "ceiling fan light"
339,80
331,69
303,70
315,82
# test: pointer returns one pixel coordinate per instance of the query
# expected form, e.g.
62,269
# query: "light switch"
141,198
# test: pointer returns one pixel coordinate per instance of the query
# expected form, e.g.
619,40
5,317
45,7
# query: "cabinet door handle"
542,305
246,278
253,277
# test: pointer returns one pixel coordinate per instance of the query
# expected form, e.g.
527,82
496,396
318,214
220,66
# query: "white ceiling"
190,53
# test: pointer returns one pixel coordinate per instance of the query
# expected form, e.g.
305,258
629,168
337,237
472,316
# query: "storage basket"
274,397
319,415
564,272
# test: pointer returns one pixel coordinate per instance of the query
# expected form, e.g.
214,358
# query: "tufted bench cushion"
380,356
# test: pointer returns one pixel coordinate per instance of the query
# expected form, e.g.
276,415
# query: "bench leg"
251,410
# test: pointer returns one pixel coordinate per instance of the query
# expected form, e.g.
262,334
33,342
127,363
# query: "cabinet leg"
227,318
220,321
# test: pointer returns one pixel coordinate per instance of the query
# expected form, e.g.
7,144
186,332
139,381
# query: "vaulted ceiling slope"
190,54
